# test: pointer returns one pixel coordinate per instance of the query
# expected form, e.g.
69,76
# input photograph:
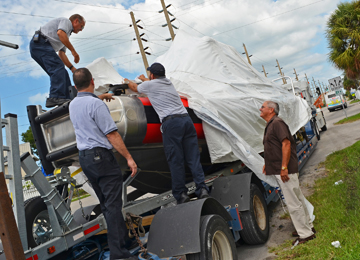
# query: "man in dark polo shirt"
281,161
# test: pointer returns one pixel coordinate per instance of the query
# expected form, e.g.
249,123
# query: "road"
337,137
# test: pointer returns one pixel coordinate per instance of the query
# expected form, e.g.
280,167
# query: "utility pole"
264,71
168,19
142,51
281,74
247,55
322,89
296,75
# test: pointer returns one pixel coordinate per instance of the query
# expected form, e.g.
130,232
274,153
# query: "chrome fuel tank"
127,112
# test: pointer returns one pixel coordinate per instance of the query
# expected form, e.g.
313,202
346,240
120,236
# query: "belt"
92,151
173,116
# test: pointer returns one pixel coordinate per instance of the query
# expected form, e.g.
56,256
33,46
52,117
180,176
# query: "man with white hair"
281,161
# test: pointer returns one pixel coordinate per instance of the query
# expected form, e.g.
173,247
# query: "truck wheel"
38,226
256,220
324,128
216,240
315,129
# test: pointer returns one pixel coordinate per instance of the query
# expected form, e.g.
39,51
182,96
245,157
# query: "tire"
345,105
256,220
38,226
216,240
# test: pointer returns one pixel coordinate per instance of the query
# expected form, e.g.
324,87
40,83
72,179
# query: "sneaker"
51,102
295,233
303,240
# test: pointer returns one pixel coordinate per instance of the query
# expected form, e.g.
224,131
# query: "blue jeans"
104,174
181,145
44,54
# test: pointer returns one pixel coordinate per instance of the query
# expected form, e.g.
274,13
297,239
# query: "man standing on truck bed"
51,38
281,161
178,132
96,136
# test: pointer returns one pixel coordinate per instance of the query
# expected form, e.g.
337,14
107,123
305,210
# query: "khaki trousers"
296,205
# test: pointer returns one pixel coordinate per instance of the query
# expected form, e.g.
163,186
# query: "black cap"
157,69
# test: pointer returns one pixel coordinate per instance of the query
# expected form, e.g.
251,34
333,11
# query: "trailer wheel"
38,226
256,220
217,242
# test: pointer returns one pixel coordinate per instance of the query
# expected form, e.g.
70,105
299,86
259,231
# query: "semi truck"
201,229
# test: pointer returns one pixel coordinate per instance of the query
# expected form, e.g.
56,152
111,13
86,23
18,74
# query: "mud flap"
176,230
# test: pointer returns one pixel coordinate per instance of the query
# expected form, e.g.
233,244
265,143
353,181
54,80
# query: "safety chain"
82,210
130,223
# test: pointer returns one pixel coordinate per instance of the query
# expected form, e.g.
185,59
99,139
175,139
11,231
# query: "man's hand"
107,96
264,170
133,167
76,56
143,78
284,175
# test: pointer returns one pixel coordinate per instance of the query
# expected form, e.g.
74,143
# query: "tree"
343,34
350,83
27,136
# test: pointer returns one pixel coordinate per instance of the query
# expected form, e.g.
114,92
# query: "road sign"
336,84
339,92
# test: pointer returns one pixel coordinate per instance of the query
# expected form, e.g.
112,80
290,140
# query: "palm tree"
343,34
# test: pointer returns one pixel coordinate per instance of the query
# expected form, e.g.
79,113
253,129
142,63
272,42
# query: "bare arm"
118,143
66,61
65,40
132,85
143,78
107,96
286,151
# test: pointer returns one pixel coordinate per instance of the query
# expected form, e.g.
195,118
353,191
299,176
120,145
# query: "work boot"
203,194
295,233
51,102
303,240
183,198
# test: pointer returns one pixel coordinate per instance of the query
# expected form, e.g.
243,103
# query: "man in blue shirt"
178,132
53,37
96,136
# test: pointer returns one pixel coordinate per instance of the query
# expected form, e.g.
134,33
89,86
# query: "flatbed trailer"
237,208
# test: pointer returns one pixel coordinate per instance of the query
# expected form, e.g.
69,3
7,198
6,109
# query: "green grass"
337,211
354,101
350,119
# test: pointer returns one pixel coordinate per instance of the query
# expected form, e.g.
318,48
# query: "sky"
291,31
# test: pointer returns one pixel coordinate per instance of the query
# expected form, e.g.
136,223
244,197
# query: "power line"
43,16
108,7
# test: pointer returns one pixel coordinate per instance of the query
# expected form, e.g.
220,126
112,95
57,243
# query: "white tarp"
227,93
104,74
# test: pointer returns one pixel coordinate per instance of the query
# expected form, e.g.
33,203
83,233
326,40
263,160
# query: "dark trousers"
181,145
44,54
104,174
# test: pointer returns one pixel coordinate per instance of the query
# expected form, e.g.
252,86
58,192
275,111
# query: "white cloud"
38,98
289,30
